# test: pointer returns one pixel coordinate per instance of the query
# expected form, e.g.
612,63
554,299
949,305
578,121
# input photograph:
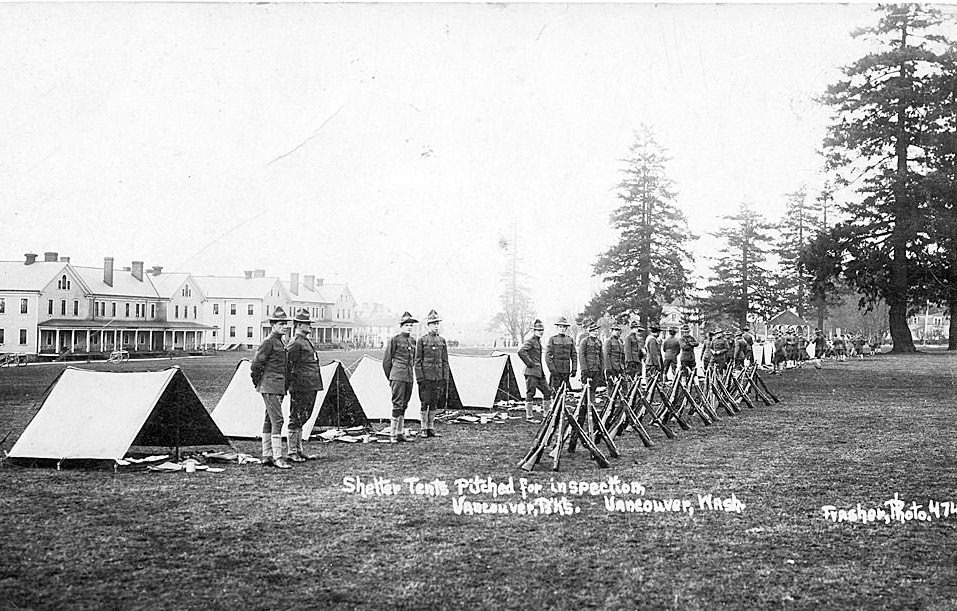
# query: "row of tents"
95,415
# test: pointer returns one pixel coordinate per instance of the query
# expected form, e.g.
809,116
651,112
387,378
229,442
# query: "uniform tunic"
634,352
671,348
687,343
561,359
268,371
432,370
653,354
398,364
302,367
613,354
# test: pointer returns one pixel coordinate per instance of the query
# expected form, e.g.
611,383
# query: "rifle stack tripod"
656,403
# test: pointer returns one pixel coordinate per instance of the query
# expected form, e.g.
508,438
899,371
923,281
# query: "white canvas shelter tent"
483,381
241,411
372,388
518,368
98,415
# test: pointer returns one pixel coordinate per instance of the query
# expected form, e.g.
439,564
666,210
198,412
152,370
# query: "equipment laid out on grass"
642,407
374,393
97,415
240,411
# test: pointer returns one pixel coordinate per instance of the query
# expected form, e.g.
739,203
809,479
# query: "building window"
186,291
176,315
63,307
23,337
50,307
232,332
23,306
63,283
76,308
3,305
214,334
249,310
114,310
249,332
1,336
152,310
215,309
232,309
195,312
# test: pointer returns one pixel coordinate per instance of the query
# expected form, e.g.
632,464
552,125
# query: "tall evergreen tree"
876,143
742,283
801,223
650,264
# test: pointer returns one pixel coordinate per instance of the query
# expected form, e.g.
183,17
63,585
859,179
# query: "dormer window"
63,283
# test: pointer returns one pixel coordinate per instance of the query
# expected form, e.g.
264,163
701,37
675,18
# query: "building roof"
305,295
235,287
17,276
168,283
124,283
124,325
787,317
332,292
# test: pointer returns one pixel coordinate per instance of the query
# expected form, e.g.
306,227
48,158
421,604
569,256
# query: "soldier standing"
432,372
720,349
634,350
531,355
305,381
746,334
652,351
688,342
398,364
268,371
561,357
614,355
740,350
706,351
590,357
672,347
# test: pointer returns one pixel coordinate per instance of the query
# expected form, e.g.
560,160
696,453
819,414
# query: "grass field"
853,432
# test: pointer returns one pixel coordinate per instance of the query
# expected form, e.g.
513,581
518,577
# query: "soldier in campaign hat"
590,357
560,356
305,381
671,347
613,354
531,355
268,371
687,342
720,350
634,350
432,372
398,364
653,351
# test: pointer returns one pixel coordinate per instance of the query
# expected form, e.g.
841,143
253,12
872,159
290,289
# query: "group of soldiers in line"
641,354
791,348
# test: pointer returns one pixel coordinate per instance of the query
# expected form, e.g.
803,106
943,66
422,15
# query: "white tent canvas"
241,411
99,415
482,381
375,395
768,352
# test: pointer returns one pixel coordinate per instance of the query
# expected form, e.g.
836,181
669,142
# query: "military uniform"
741,351
613,354
305,381
687,343
652,353
531,355
432,374
561,359
398,365
634,352
590,361
720,349
671,347
268,372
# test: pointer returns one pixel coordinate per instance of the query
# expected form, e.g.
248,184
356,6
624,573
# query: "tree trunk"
952,335
900,332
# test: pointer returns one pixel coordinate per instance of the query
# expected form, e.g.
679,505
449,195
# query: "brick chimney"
309,281
64,259
248,274
138,270
108,271
294,283
319,281
50,257
259,273
157,270
29,258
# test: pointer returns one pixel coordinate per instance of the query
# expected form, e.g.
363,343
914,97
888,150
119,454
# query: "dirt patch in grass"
853,432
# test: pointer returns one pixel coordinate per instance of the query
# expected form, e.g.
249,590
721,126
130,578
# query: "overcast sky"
391,146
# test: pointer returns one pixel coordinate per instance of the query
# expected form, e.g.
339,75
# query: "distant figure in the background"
613,355
634,350
740,350
305,381
746,334
561,357
268,371
858,343
720,351
531,355
706,351
671,347
432,373
653,351
398,364
840,347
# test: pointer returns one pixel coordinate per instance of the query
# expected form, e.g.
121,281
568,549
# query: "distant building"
375,324
240,306
932,325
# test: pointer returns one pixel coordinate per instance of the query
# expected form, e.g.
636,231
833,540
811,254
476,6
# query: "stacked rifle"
657,403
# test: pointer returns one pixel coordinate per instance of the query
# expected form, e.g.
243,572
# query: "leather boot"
400,430
267,450
301,450
430,432
295,440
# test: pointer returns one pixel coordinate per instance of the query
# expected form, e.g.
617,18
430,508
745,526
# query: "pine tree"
650,264
801,223
876,143
742,283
